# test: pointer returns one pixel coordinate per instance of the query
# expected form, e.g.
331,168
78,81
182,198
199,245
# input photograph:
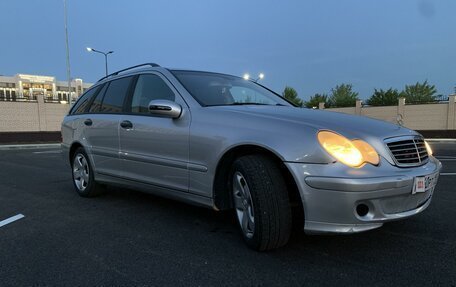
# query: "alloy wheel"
81,172
243,204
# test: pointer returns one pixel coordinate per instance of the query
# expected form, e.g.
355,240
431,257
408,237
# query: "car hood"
351,126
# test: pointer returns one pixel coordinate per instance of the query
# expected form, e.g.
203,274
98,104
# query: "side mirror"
165,108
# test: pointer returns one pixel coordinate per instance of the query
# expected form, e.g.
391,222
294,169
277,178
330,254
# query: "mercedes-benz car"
228,143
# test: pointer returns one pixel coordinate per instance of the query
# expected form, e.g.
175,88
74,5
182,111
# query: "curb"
28,146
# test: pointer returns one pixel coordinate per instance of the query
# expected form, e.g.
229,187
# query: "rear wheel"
261,202
83,178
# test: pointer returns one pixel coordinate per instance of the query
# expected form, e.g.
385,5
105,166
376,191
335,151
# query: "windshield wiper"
248,103
244,104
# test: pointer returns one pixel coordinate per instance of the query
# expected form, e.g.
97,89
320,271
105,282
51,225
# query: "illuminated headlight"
353,153
428,148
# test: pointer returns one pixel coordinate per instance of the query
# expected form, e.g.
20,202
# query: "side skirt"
183,196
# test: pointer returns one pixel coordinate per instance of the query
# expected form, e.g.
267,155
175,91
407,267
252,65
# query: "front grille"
408,152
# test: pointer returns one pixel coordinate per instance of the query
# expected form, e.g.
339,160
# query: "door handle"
88,122
126,125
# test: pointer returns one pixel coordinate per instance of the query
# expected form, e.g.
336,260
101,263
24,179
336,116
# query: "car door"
153,148
102,126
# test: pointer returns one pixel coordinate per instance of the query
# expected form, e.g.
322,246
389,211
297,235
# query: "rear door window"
115,95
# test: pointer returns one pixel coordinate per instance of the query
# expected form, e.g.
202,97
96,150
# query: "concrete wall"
426,117
438,116
388,114
31,116
46,117
350,110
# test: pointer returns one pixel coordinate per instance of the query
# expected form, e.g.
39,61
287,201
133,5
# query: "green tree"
343,96
316,99
419,93
290,94
384,98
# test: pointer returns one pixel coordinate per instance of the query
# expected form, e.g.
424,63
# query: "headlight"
352,153
428,148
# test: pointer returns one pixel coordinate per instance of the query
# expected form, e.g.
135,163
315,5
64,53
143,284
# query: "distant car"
224,142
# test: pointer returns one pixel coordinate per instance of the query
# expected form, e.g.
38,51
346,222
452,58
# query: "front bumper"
331,194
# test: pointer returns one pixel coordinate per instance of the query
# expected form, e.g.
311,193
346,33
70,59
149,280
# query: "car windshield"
212,89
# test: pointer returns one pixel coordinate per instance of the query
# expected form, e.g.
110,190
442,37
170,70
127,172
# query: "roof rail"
133,67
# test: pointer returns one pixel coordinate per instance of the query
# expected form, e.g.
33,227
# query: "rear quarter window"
81,105
96,103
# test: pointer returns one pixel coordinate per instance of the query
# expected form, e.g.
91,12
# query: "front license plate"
425,183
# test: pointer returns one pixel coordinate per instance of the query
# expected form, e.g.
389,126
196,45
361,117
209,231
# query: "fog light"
362,209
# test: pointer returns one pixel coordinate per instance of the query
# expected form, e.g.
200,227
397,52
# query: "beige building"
25,88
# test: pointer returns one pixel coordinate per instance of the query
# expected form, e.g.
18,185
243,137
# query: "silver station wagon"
228,143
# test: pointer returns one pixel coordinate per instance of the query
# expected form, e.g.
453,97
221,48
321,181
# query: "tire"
83,178
261,202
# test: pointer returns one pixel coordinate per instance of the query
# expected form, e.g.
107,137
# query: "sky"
311,46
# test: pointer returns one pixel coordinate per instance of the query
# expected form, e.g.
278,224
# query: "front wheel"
261,202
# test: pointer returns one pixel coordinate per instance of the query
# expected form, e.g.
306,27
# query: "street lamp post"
67,52
105,55
260,77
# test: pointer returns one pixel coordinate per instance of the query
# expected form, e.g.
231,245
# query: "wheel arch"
74,146
222,195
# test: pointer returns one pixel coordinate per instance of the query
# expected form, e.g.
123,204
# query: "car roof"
149,67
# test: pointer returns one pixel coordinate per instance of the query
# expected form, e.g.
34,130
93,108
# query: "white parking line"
448,173
48,151
11,219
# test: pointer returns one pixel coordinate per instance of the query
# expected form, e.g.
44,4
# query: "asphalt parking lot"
126,237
